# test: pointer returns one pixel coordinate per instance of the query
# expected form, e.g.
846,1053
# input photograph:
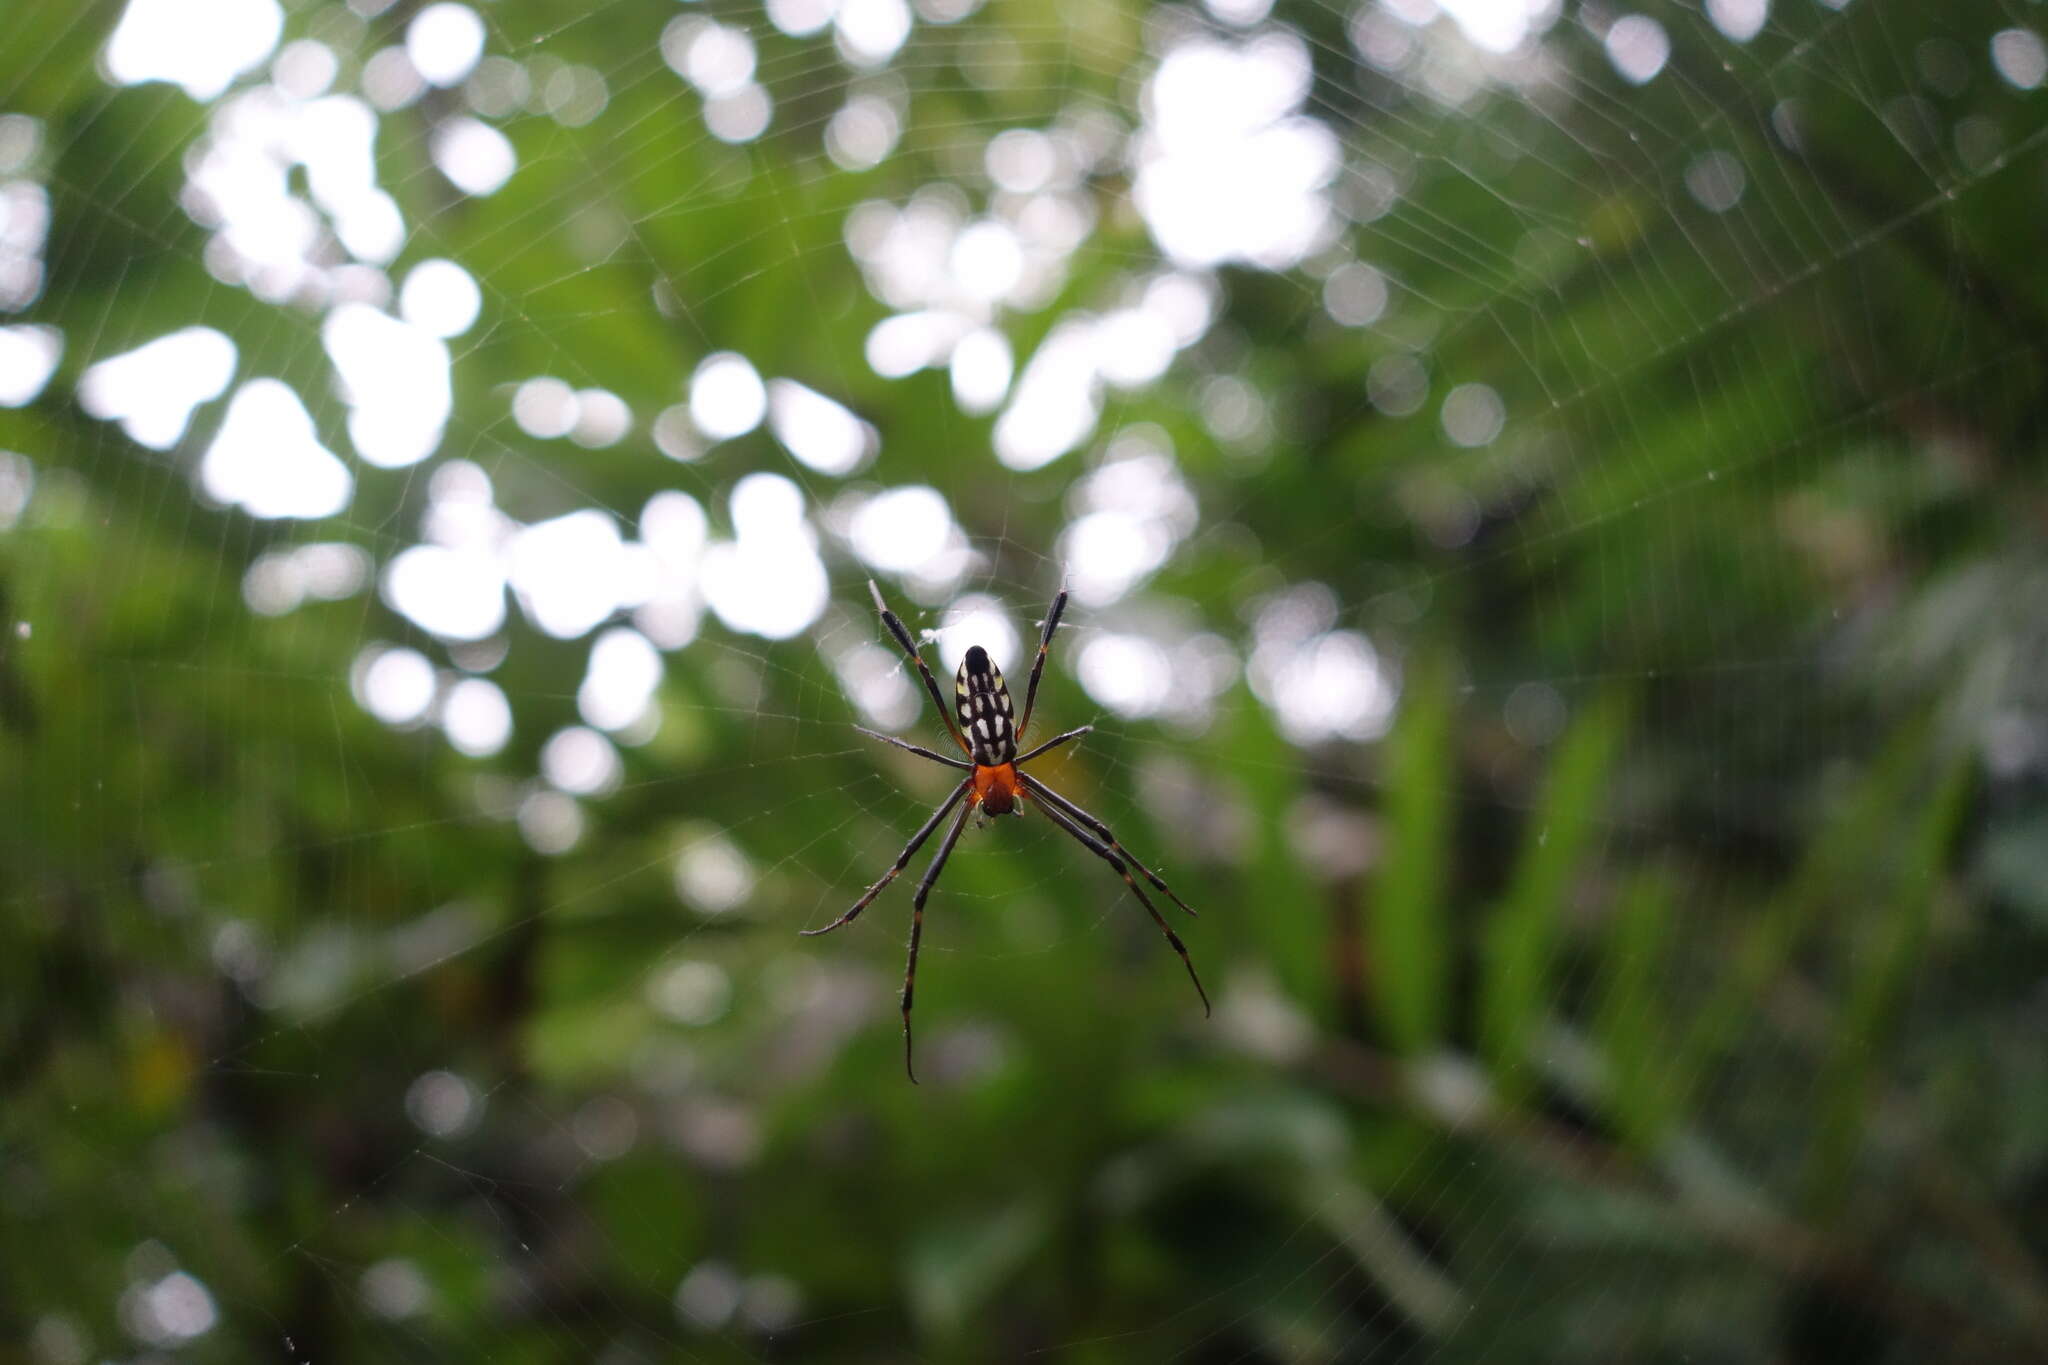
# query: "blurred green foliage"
1703,1024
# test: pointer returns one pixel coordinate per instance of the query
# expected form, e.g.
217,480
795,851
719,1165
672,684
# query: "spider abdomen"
983,701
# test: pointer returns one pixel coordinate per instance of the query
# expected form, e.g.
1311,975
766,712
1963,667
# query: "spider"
995,785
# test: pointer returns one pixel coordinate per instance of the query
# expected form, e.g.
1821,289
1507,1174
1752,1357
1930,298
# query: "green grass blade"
1629,1019
1882,972
1837,852
1521,939
1410,941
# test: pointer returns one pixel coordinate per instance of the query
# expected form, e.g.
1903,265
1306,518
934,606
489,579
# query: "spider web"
1467,430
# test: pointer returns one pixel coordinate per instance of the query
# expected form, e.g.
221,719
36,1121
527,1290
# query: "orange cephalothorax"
995,788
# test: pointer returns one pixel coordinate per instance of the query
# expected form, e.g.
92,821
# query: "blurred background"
1552,494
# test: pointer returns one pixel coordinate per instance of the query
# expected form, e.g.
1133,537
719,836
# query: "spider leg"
1101,850
1052,743
1049,797
920,752
902,860
931,684
1052,623
924,889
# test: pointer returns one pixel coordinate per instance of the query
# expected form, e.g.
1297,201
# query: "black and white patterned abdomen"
985,716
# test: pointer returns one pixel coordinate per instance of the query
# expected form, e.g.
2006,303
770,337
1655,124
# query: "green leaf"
1521,938
1837,851
1881,973
1630,1022
1410,941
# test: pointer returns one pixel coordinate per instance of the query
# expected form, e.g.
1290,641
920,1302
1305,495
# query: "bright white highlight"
440,298
395,377
153,389
1133,347
1186,303
674,531
870,31
801,18
1638,47
977,620
863,132
1331,688
580,761
395,1289
720,60
618,686
987,260
906,343
902,530
727,397
770,581
28,357
443,1104
951,277
457,594
740,115
1228,169
1241,13
708,1296
674,527
397,686
1021,160
713,875
602,419
1131,513
266,237
550,822
476,717
160,40
982,366
24,217
324,571
567,572
1739,20
1500,25
876,681
1057,401
1355,295
268,459
2020,57
1473,415
171,1311
390,80
476,158
1321,684
444,42
17,485
1127,673
905,252
675,435
819,432
305,69
545,407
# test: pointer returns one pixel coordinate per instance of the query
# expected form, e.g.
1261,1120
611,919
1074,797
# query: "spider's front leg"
902,861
